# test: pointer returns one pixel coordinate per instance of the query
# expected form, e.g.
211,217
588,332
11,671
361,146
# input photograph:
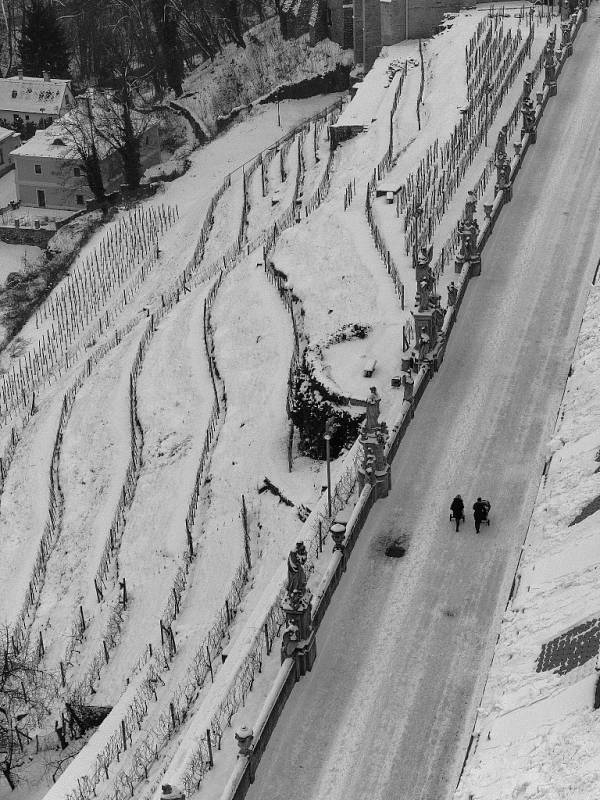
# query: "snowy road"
404,648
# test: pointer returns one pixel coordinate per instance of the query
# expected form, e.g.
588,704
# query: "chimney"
20,74
46,76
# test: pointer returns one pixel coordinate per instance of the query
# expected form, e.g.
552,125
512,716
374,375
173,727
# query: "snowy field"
333,266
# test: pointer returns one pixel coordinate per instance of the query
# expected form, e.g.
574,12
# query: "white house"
33,100
50,175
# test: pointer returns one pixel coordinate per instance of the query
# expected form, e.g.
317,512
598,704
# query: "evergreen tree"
43,45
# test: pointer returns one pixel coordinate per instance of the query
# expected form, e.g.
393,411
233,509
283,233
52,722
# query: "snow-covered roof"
5,133
32,95
55,142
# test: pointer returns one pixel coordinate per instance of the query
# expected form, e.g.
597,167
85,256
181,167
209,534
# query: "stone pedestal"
374,468
506,188
299,641
475,265
550,78
425,323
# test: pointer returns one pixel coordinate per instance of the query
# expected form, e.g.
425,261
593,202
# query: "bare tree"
82,140
26,693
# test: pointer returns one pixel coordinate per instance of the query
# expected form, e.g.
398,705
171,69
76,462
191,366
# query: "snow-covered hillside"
160,407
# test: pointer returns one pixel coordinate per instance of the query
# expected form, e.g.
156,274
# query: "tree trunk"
9,778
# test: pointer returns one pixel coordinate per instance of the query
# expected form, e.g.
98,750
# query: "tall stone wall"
383,22
425,15
334,19
358,31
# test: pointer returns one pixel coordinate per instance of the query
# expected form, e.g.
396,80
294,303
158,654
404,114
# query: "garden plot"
253,342
264,210
94,459
174,404
316,153
24,506
441,110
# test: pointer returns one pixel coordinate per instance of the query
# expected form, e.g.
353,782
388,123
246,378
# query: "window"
147,140
37,169
14,93
79,198
26,116
76,172
1,156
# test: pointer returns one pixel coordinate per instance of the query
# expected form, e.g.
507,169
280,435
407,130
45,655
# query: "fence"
69,312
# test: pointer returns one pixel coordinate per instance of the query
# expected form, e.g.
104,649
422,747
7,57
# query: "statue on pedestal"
527,85
296,582
549,55
372,419
501,142
565,10
503,169
452,294
528,116
566,34
424,295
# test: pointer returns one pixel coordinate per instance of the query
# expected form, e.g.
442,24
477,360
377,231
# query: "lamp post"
328,431
487,92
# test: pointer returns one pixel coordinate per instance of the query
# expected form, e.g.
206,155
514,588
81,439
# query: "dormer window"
58,141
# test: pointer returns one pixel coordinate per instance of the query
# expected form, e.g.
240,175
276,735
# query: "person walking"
457,509
480,512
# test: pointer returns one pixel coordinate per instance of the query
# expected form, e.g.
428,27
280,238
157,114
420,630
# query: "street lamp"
328,432
487,92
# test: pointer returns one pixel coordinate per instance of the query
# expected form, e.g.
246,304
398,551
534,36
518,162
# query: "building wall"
334,20
393,21
358,31
7,118
383,22
425,15
7,145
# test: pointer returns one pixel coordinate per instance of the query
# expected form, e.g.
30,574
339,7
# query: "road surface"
404,648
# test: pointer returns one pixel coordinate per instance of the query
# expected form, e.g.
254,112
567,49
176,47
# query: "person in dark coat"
457,508
480,512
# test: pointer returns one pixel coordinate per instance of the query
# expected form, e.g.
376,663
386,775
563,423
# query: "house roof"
5,133
55,141
33,95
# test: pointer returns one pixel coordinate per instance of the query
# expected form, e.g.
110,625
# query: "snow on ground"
8,188
239,76
537,732
24,506
94,458
253,441
14,258
174,404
